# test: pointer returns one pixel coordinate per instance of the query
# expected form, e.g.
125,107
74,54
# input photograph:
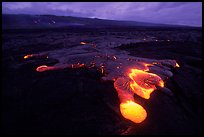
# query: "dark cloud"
185,13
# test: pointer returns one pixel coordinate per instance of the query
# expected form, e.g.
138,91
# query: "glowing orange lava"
128,108
83,43
135,81
133,111
28,56
177,65
143,83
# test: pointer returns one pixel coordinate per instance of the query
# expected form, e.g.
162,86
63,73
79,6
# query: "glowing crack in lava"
130,75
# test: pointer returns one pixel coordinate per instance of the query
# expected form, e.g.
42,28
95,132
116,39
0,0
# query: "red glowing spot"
78,65
48,68
92,64
133,111
114,79
42,68
81,65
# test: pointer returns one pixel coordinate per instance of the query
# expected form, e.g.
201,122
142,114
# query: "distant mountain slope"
11,21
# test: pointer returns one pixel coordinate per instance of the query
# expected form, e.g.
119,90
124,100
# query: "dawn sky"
179,13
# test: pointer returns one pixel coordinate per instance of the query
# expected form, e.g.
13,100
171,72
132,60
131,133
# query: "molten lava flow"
41,55
28,56
46,68
143,83
177,65
42,68
83,43
78,65
133,111
147,65
128,108
136,81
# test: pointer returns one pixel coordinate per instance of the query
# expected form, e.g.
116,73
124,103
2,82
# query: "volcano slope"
77,101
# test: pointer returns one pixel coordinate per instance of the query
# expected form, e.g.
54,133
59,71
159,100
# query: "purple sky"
182,13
